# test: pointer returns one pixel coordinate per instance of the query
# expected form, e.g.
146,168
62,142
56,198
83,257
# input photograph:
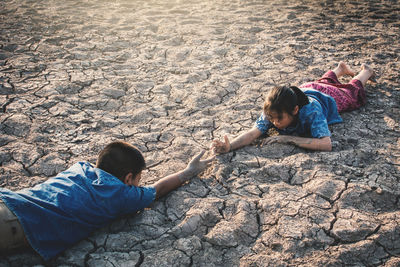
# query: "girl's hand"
322,144
282,139
219,147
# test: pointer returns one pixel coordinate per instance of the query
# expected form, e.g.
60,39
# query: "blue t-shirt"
313,118
67,208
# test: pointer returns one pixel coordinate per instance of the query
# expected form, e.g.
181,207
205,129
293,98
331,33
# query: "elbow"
254,133
327,144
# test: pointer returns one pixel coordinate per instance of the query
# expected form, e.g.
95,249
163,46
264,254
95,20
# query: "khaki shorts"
11,232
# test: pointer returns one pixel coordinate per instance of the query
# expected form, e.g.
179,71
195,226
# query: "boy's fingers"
215,143
209,160
227,143
198,156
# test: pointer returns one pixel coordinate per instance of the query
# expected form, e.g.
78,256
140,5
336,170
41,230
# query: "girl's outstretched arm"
323,143
219,147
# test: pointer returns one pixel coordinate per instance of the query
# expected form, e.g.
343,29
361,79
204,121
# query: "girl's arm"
323,143
242,140
173,181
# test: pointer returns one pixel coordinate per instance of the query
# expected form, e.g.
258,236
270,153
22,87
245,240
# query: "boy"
52,216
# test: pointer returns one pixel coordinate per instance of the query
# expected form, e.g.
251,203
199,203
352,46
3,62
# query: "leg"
332,76
365,74
11,232
343,69
348,96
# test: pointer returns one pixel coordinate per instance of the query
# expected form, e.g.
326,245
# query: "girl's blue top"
313,118
67,208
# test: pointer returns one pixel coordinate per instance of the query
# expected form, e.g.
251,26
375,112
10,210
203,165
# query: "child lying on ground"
54,215
305,111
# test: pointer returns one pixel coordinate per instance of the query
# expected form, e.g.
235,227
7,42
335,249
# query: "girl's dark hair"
284,99
120,158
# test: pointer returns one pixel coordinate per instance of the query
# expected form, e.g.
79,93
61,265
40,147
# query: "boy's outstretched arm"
173,181
322,144
242,140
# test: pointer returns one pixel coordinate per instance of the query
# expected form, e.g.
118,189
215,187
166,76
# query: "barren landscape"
169,77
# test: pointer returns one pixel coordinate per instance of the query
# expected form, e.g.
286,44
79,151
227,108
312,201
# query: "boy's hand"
195,167
219,147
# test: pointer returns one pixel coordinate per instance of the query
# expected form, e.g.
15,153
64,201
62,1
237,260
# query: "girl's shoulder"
312,105
312,110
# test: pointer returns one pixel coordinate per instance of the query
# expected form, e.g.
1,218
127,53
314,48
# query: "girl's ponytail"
284,99
302,99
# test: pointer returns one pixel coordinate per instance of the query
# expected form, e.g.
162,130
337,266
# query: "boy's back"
68,207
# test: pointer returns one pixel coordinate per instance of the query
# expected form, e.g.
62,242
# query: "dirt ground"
169,77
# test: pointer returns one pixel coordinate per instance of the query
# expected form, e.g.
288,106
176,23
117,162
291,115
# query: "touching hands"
195,166
219,147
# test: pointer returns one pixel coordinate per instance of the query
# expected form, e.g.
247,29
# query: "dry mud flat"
169,76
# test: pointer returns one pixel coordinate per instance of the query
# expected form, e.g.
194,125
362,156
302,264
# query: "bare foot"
368,69
366,73
343,69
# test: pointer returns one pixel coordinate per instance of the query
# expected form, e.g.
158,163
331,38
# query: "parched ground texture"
170,76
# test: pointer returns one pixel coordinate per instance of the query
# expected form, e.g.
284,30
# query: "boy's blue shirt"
313,118
67,208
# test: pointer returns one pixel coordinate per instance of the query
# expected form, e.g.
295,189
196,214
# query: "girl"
305,111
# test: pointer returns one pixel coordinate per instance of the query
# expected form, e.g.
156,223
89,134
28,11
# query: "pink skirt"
349,96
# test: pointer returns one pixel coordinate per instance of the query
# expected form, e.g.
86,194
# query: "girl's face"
282,121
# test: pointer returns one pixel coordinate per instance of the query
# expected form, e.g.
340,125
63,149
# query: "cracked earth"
170,76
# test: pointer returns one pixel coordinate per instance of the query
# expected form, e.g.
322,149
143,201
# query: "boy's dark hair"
120,158
284,99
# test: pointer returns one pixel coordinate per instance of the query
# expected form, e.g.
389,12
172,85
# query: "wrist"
290,140
186,175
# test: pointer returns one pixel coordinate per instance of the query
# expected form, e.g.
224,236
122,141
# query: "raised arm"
242,140
173,181
322,144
